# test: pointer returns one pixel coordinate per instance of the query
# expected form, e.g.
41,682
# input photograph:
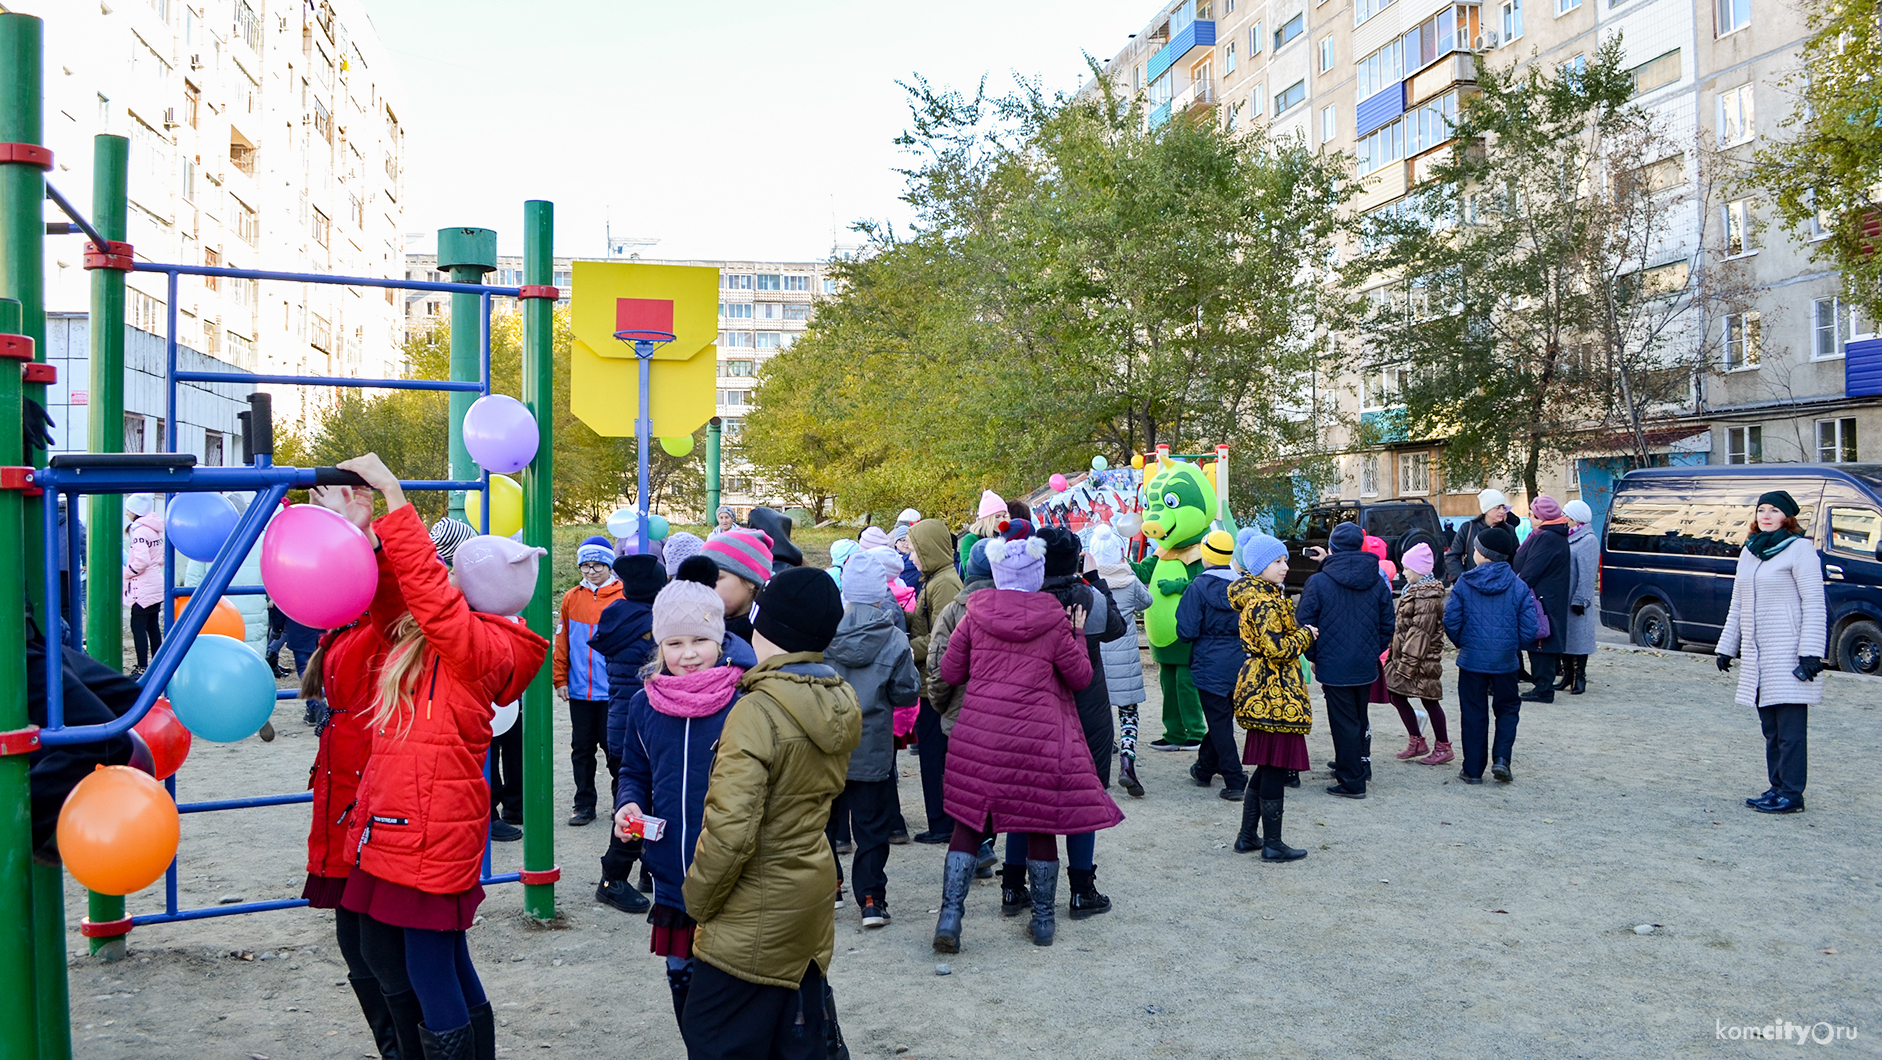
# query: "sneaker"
1161,744
137,672
618,894
502,831
932,837
875,912
899,837
839,896
581,817
1190,746
843,847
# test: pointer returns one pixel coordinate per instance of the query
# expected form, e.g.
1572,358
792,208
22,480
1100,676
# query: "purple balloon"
500,434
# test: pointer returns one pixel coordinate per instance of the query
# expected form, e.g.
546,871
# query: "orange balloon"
224,621
118,830
168,740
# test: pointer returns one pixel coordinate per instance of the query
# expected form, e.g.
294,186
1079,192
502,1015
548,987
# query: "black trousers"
728,1018
588,733
1218,755
1478,696
872,814
1094,717
838,830
932,752
506,771
1786,746
1349,717
1543,666
146,632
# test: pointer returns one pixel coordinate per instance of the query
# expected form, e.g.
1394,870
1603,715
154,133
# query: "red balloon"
169,741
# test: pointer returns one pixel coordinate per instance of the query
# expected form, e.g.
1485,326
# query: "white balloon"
505,717
625,522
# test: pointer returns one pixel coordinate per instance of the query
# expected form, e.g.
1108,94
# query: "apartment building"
764,307
1379,80
264,134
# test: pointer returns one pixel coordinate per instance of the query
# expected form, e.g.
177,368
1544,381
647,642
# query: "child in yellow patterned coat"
1270,693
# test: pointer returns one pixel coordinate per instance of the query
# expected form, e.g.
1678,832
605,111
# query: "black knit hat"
1497,542
642,577
1061,551
1780,500
799,609
699,569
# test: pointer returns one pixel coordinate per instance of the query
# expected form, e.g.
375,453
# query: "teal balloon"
222,691
657,528
1099,463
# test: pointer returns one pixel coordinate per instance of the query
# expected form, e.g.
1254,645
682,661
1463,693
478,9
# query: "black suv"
1402,524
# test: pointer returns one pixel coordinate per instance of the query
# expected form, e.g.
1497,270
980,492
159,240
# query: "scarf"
695,695
1766,544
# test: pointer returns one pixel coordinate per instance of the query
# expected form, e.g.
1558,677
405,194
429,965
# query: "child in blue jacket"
1206,620
1491,617
624,635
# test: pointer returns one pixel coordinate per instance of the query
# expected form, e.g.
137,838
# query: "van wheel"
1859,649
1653,628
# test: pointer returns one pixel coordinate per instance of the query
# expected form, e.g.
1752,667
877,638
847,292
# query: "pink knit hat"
1419,558
1545,508
990,504
746,553
873,537
496,574
688,609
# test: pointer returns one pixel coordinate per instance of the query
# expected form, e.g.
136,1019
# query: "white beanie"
1489,499
1578,511
909,516
1107,546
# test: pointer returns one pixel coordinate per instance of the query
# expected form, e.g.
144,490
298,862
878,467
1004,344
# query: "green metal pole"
713,430
465,253
538,477
104,606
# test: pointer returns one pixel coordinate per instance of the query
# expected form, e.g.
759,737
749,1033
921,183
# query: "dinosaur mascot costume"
1179,507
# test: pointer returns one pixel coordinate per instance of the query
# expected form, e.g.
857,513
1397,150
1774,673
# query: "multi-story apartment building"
265,134
1378,81
764,307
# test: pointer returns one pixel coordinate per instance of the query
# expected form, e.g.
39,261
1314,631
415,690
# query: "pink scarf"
694,695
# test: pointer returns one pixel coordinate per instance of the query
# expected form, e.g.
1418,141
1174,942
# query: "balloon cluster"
624,525
501,435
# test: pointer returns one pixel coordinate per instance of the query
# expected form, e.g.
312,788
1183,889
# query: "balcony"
1193,36
1862,368
1160,115
1383,426
1198,97
1456,68
1379,108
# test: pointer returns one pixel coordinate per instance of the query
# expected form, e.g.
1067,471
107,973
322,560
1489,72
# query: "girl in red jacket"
417,828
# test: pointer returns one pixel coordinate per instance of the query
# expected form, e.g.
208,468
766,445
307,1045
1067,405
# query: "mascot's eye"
1172,500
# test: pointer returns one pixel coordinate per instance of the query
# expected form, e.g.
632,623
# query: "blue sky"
729,129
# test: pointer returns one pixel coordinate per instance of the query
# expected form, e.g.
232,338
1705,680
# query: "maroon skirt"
400,906
672,932
1282,750
324,892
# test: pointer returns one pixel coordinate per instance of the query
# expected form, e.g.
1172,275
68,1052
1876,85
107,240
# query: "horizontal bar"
237,908
233,590
243,804
318,277
327,380
199,479
286,693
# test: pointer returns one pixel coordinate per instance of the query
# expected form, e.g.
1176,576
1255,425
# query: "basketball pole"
538,392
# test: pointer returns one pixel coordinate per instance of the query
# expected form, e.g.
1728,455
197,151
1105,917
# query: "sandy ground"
1432,919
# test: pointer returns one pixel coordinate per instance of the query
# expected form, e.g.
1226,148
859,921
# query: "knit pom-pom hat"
1107,546
991,503
799,610
1018,564
873,537
978,565
699,569
448,533
1419,558
1062,548
641,577
746,553
688,609
1017,530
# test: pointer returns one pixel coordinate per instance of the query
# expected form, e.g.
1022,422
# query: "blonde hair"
312,681
399,678
987,526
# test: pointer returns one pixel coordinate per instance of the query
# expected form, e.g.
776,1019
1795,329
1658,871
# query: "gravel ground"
1616,900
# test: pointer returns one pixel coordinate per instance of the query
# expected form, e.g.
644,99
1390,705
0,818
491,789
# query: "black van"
1673,535
1402,523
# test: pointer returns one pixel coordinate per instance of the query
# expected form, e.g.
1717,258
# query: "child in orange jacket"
581,672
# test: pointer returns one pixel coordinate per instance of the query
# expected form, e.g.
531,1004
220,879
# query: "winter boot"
454,1044
373,1003
1440,753
1293,778
619,895
1042,879
406,1016
680,982
1127,776
985,860
1013,897
1414,749
483,1032
1581,676
1272,849
956,877
1086,901
1567,676
1249,838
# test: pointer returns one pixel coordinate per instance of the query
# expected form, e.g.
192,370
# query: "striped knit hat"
1218,549
595,549
746,553
447,534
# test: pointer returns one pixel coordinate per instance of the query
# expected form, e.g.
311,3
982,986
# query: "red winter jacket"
349,679
1018,752
424,807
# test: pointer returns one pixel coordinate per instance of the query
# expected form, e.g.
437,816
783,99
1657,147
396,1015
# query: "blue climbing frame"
73,475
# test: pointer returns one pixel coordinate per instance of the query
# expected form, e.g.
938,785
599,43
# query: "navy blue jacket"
1491,617
1206,619
1352,606
625,637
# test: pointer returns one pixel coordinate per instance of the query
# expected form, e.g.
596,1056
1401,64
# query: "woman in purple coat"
1017,759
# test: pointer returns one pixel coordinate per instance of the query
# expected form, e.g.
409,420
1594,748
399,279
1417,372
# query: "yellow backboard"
608,296
604,392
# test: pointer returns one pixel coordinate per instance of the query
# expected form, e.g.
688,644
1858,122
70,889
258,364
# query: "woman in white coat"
1123,659
1584,611
1776,625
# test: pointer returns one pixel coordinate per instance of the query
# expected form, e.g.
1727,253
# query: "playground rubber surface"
1618,899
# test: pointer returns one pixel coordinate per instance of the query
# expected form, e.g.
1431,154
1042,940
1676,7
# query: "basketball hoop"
645,341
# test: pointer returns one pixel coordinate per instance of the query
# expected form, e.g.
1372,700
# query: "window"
735,339
213,259
738,283
1665,174
1233,119
1254,39
1424,128
1365,9
1738,216
1836,441
797,283
770,281
797,311
1258,101
1329,123
1228,58
767,340
1369,475
1712,524
735,310
737,368
1736,116
1857,531
1744,445
1656,73
1326,53
829,286
1228,7
1414,473
1289,96
247,26
1380,70
1510,18
734,397
323,122
320,334
133,433
1733,15
1447,31
323,228
1290,29
213,440
1825,331
1563,7
1743,334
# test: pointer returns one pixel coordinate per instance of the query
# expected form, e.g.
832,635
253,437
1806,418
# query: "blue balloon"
222,691
198,523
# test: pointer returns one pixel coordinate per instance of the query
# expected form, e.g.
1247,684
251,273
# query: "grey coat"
1123,659
1584,557
871,652
1777,615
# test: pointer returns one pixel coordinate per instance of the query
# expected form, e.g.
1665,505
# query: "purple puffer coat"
1018,753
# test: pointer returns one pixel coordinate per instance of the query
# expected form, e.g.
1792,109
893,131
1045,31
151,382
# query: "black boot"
1581,676
1013,897
1234,788
956,877
483,1032
1567,676
1249,838
619,895
1086,901
1272,849
680,981
406,1016
1042,879
373,1004
454,1044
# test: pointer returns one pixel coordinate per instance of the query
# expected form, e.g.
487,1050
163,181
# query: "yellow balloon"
506,507
1137,461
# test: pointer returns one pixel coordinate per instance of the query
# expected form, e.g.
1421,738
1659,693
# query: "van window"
1713,524
1316,525
1856,531
1392,521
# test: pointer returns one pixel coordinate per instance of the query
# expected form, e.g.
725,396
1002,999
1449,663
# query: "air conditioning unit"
169,118
307,117
196,61
1485,41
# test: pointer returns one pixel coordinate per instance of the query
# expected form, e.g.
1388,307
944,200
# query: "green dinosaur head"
1179,505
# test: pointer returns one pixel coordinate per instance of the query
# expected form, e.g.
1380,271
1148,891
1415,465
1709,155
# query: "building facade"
264,134
1378,81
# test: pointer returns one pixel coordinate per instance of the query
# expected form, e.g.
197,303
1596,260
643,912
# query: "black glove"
35,426
1577,609
1725,664
1808,667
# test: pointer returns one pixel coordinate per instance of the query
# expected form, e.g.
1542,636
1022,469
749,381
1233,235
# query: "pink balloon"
317,567
1058,482
500,434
